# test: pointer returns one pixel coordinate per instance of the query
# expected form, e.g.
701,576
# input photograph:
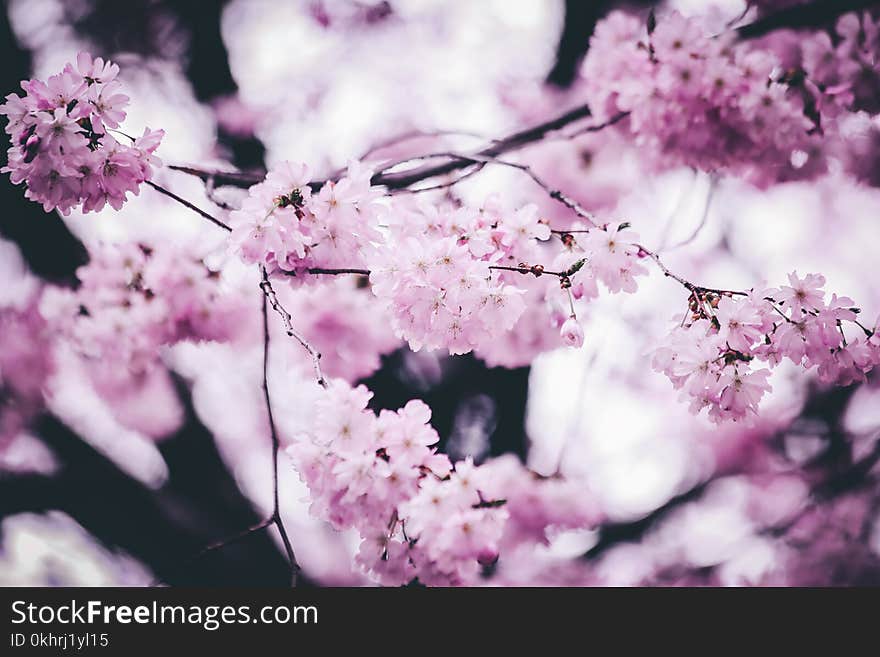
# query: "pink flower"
803,295
416,519
60,147
711,357
107,103
523,224
132,300
612,256
441,296
284,227
740,323
94,71
697,98
741,392
572,333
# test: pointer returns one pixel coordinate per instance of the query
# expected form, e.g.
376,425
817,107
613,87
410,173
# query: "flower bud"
572,333
487,556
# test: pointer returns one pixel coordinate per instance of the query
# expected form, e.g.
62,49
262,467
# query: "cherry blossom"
132,300
572,333
284,227
331,317
62,146
701,99
419,517
713,351
390,256
439,295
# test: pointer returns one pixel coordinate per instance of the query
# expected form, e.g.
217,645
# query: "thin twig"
617,118
417,134
191,206
537,270
698,289
219,545
343,270
276,512
553,193
513,142
399,180
666,271
444,185
287,319
531,270
703,218
221,178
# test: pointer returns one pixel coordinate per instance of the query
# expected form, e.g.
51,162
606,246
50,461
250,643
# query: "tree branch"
517,140
815,14
276,514
191,206
403,179
614,534
342,270
221,178
459,160
269,294
219,545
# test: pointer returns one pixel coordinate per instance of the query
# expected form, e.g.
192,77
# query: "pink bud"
487,556
31,148
572,333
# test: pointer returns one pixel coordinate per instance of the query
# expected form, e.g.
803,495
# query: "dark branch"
191,206
815,14
276,514
287,319
812,15
335,272
403,179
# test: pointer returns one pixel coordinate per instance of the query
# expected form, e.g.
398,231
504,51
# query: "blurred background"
127,495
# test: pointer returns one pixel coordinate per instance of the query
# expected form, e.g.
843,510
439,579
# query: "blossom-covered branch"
359,257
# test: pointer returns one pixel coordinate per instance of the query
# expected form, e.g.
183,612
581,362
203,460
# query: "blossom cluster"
419,517
441,296
449,276
132,300
712,353
434,272
610,254
844,65
538,329
286,228
701,100
62,146
459,277
840,70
